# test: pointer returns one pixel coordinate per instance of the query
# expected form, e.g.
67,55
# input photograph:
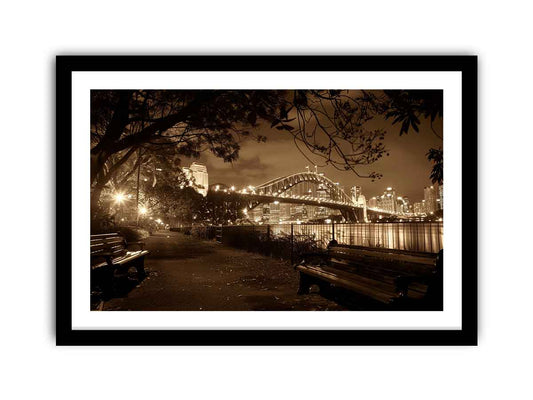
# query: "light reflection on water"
413,236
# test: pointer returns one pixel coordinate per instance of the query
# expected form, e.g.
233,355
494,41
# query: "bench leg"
107,281
141,273
305,284
325,287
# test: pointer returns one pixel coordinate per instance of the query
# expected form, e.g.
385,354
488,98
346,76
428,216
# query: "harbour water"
413,236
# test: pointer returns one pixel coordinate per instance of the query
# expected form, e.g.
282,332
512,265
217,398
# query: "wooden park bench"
111,256
392,277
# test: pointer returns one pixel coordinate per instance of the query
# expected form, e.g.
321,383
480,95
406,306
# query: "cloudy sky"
406,169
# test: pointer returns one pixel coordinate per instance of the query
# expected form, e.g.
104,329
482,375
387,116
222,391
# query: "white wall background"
32,33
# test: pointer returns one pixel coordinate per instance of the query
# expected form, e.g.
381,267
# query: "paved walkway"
185,273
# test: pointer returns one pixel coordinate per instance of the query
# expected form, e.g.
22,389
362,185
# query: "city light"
142,210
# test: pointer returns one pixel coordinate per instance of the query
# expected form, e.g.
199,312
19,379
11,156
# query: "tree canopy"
151,127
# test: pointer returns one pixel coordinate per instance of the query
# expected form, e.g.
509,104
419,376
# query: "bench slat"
371,291
390,257
373,272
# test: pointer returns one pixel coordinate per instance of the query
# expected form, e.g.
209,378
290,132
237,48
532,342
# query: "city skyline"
391,201
198,173
406,168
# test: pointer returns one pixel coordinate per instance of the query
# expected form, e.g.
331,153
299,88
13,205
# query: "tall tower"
388,200
355,191
430,199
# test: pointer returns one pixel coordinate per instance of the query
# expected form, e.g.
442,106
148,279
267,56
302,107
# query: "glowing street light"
142,210
119,198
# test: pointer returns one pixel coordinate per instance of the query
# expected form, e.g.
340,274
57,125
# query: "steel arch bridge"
282,190
276,187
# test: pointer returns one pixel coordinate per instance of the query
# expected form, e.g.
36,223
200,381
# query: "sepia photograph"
273,200
232,197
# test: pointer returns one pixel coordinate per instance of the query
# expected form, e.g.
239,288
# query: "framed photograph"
266,200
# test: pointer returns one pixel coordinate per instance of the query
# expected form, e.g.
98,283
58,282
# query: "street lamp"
141,210
119,198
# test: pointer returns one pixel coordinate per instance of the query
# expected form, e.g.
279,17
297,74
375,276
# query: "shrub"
133,234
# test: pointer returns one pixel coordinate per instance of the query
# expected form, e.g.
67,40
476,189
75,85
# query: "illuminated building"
418,208
430,199
198,177
355,191
389,200
322,194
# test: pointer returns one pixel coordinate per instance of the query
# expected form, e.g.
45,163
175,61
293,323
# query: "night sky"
406,169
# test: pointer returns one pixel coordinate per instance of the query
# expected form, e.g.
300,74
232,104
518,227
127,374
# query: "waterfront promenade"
185,273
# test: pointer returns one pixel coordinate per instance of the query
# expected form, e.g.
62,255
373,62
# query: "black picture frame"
66,65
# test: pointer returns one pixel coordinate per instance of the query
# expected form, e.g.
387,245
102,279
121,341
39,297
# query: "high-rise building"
275,211
198,177
440,200
418,208
389,200
430,199
373,202
322,194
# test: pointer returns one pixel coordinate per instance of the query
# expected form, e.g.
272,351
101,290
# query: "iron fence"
289,240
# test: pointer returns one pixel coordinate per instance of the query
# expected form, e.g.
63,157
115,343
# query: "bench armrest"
107,256
308,258
140,244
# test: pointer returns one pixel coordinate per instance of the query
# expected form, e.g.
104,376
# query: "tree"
327,123
136,127
221,208
407,108
189,122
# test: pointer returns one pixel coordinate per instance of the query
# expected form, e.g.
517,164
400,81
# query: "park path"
185,273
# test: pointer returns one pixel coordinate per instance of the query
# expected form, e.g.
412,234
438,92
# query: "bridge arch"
282,184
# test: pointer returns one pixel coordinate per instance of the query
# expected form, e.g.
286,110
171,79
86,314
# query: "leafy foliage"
149,131
437,173
407,107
